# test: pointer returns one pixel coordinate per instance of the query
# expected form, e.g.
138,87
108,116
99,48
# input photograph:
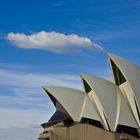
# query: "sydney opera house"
105,110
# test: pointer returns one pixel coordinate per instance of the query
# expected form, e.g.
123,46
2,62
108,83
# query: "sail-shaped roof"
111,103
107,94
129,71
126,75
75,102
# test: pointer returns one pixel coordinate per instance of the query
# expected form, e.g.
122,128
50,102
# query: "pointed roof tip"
114,56
83,75
45,87
58,88
87,74
111,54
108,53
48,87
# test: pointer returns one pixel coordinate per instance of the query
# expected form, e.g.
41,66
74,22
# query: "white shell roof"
131,88
72,100
129,98
131,72
75,102
125,115
89,110
107,94
107,102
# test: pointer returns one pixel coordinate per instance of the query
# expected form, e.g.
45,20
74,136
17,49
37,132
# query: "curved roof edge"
75,102
99,86
71,99
127,81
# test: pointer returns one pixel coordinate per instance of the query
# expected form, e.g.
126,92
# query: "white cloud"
20,79
24,90
23,103
53,41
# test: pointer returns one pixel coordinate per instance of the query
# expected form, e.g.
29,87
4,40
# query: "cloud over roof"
52,41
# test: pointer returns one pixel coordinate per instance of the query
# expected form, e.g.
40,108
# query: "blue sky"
51,43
